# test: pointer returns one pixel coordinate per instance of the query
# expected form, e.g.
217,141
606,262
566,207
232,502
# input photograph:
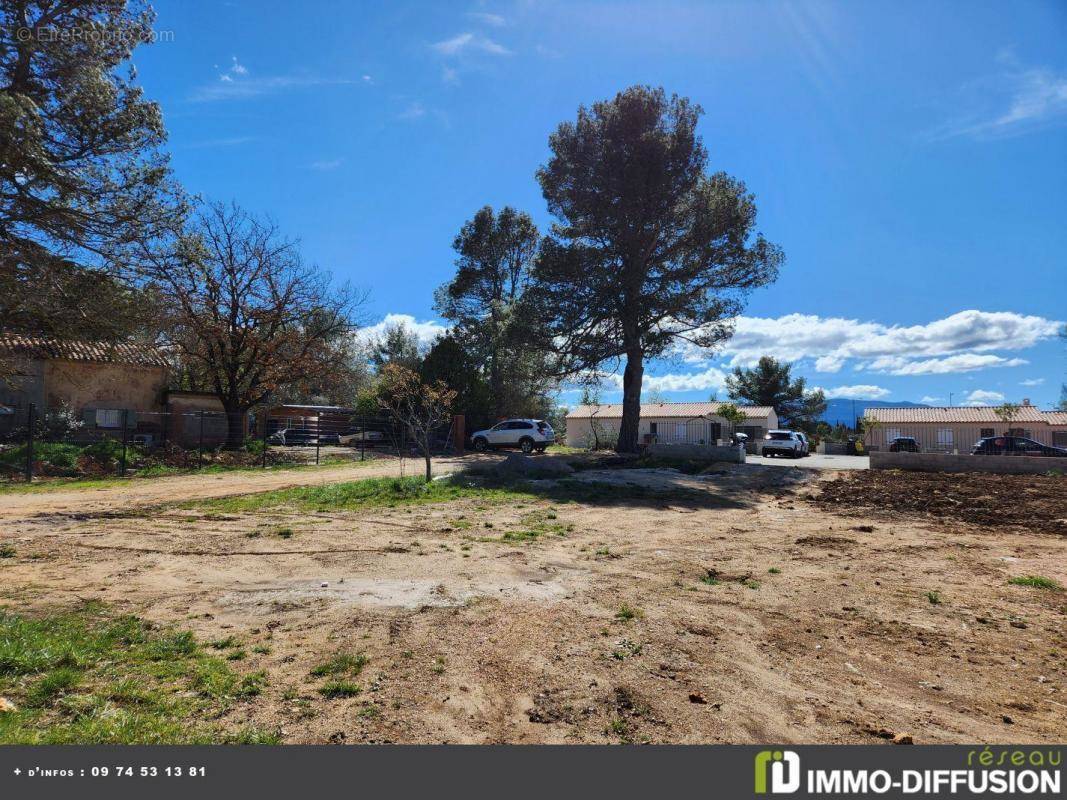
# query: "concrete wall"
699,451
943,462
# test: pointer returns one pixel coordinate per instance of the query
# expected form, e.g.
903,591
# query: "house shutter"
89,417
131,419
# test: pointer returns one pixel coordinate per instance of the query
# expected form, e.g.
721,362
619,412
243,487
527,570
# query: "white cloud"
964,362
829,363
493,20
326,166
862,391
893,349
414,110
232,86
930,400
1032,382
236,83
469,42
711,378
982,397
427,331
1015,101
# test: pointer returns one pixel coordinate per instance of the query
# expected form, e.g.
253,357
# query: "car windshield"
780,435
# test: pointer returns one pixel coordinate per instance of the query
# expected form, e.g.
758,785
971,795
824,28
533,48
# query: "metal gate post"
318,436
363,437
125,434
200,445
31,414
266,418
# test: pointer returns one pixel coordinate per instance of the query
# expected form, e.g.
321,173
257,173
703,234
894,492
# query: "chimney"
1026,401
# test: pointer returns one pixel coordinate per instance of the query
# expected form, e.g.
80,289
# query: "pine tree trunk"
632,377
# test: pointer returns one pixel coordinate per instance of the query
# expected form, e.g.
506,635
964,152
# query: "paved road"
815,461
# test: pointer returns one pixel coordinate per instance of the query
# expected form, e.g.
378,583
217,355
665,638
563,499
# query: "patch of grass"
438,666
89,677
335,689
283,533
7,551
627,613
236,655
625,649
225,644
369,711
162,471
261,649
341,664
750,583
934,597
774,571
1036,582
710,580
367,493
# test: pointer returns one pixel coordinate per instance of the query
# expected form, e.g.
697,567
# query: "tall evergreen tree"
648,248
82,173
485,300
770,383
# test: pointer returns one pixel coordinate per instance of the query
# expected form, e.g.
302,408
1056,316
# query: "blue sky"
910,158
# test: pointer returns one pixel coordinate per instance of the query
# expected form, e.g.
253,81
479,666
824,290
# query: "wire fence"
57,442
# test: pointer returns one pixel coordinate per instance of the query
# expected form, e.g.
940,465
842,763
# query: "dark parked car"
1015,446
904,444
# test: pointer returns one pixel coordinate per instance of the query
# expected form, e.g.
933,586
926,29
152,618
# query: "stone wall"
945,462
709,452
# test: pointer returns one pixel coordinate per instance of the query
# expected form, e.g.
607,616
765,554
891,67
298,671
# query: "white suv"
526,434
784,443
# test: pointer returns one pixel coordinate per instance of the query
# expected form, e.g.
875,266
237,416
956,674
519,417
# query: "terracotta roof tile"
949,414
661,410
45,347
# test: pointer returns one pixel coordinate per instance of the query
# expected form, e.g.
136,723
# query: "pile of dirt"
1038,502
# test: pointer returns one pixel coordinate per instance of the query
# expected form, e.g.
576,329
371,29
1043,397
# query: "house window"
652,428
986,433
891,434
944,437
108,418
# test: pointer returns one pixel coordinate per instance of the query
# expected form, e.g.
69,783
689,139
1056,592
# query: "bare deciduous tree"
247,316
421,408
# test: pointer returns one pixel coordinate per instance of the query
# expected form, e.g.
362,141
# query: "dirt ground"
749,607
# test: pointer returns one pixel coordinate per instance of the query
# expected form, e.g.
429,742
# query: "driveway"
815,461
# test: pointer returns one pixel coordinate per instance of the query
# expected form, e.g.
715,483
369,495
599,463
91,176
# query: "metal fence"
56,442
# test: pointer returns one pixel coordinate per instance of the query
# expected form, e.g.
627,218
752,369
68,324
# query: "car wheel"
526,444
480,445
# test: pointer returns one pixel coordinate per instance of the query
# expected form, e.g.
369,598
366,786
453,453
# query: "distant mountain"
846,411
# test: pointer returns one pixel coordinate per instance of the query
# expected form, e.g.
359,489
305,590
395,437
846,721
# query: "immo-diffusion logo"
784,767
